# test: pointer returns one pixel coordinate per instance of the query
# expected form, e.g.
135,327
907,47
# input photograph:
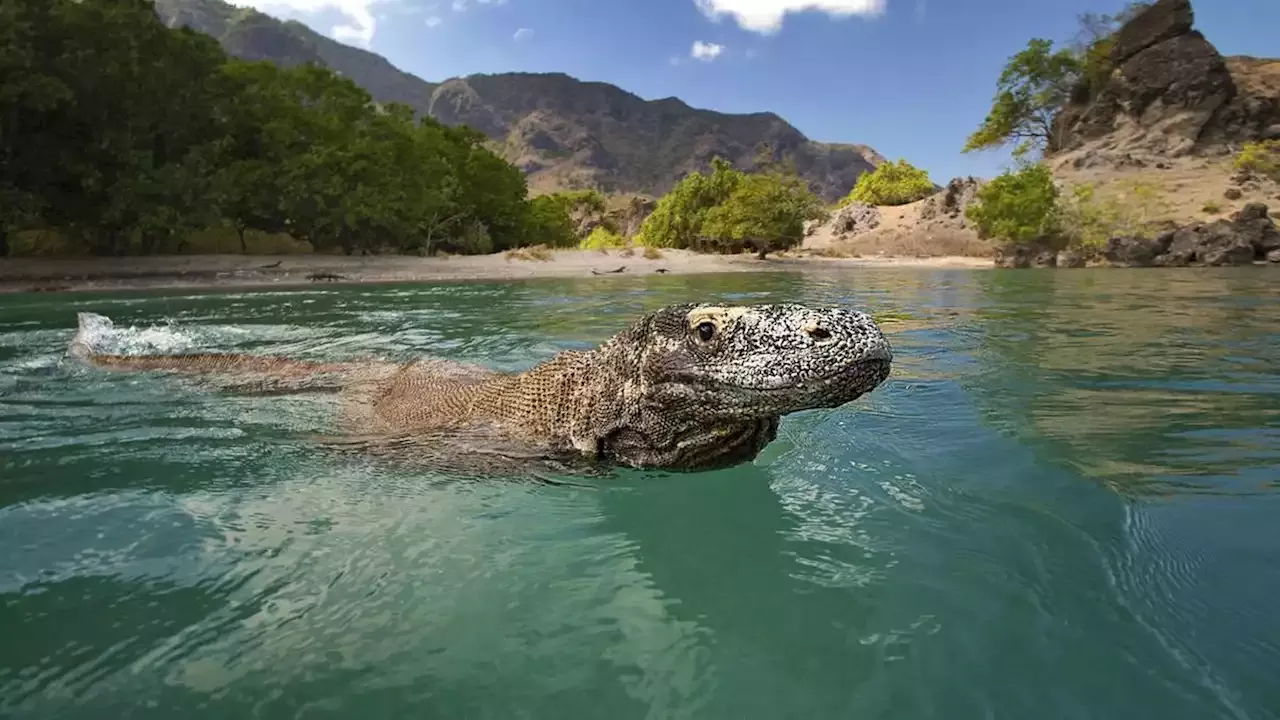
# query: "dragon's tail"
95,332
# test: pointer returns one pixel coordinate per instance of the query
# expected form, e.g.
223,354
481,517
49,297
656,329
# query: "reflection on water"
1061,504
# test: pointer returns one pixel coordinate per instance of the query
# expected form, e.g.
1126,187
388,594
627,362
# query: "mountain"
563,132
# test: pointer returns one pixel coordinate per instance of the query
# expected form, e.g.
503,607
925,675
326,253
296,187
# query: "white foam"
97,333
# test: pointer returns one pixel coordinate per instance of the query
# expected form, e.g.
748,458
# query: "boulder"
1133,251
855,218
1171,259
1273,256
1176,86
1163,20
1226,248
1072,258
1254,211
1249,236
951,202
630,218
1044,258
1233,194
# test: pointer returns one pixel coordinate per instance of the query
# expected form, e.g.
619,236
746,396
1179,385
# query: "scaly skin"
686,388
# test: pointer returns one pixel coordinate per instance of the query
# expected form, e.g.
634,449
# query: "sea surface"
1064,503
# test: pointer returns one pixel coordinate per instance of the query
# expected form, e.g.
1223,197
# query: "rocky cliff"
1169,94
565,133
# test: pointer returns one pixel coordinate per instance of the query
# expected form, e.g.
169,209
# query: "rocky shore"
1250,236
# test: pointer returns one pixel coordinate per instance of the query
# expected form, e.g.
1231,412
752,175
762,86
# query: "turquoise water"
1065,503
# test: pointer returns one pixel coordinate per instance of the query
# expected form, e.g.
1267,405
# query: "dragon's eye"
706,331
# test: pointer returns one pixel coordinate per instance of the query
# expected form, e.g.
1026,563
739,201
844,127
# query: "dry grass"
652,253
539,253
1184,189
903,242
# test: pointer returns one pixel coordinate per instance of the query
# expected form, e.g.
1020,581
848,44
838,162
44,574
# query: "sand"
250,271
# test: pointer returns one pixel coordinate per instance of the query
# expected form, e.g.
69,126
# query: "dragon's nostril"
820,333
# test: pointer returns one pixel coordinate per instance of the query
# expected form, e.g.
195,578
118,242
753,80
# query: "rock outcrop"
948,205
854,218
624,219
1250,236
1170,93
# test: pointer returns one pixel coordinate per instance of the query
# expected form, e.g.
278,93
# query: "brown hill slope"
565,133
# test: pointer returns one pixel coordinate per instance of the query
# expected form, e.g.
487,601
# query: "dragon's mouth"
862,377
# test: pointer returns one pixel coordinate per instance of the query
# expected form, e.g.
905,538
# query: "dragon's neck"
542,402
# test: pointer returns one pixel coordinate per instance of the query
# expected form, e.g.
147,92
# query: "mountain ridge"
563,132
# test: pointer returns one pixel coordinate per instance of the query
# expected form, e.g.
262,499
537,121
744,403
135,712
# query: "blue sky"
911,78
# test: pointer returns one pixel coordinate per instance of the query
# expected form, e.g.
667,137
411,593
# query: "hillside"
1156,141
563,132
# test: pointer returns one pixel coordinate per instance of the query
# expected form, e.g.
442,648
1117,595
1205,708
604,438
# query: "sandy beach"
230,271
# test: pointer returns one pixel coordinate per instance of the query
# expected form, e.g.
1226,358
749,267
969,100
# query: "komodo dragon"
684,388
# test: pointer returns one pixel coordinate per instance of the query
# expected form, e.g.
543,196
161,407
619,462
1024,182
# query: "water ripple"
1061,504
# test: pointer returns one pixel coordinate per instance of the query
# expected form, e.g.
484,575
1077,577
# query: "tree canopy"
127,135
730,210
892,183
1034,85
1017,208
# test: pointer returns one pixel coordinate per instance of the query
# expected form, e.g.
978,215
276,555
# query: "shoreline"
231,271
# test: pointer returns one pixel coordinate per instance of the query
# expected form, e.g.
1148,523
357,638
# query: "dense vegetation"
1026,207
126,136
1038,82
729,211
892,183
1017,207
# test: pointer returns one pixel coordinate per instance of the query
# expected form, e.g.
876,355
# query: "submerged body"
687,387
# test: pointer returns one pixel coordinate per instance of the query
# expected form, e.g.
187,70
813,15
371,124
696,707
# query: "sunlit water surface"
1065,503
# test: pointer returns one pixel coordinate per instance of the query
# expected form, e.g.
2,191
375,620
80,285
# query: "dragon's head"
705,385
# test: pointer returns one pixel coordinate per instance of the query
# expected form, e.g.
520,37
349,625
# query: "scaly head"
703,386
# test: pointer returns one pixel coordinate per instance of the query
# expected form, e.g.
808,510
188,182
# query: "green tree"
549,222
1017,208
128,135
765,211
892,183
1034,85
676,221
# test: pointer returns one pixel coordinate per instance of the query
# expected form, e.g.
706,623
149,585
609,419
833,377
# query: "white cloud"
433,21
705,51
765,16
459,5
359,30
523,33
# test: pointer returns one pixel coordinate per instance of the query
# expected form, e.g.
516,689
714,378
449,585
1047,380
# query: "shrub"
602,237
1017,207
652,253
549,222
1088,218
676,221
1211,208
893,183
1261,157
765,213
